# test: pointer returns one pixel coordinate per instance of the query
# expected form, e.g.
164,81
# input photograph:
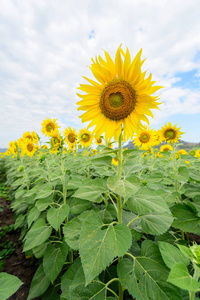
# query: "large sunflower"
145,138
170,133
85,137
70,136
49,126
122,97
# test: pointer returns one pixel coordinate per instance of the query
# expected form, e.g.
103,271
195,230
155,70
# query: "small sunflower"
145,138
182,152
166,148
85,137
170,133
197,153
115,161
122,97
158,138
27,135
56,140
99,140
44,147
70,136
49,126
35,137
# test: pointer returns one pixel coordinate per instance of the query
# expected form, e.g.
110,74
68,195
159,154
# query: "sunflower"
70,136
35,137
99,140
85,137
166,148
145,138
28,148
49,126
182,152
197,153
115,161
56,140
170,133
122,97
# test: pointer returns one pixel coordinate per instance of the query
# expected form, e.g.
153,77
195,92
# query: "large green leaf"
172,255
156,223
9,284
99,244
185,220
56,216
145,204
91,190
53,261
180,277
183,174
39,284
42,204
37,235
122,187
145,277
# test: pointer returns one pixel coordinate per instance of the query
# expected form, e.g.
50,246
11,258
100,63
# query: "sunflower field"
104,221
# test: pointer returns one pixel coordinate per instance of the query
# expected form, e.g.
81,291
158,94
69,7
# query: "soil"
16,264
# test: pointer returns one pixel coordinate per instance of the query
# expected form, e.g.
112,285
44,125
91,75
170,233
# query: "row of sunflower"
146,139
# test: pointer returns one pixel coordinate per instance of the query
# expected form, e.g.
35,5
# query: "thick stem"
119,175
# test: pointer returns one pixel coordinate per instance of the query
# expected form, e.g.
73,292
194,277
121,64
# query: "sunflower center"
29,147
99,140
50,127
170,134
144,137
85,137
56,140
118,99
71,137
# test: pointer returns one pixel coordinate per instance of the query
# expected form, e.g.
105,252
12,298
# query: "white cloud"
46,46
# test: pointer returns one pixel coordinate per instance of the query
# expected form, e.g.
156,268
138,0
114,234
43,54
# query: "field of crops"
108,222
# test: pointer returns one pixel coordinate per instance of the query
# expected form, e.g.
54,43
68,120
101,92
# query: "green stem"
119,175
195,277
119,200
71,257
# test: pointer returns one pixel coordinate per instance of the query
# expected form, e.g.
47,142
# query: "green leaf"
40,250
183,174
99,244
180,277
122,187
42,204
73,276
172,255
72,230
56,216
9,284
187,252
185,220
156,223
101,161
194,174
33,215
37,235
145,278
145,204
53,261
39,284
77,206
91,190
44,193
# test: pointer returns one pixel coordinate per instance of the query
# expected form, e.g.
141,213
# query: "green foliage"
105,232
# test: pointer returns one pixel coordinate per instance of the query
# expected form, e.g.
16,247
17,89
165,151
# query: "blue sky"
47,46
